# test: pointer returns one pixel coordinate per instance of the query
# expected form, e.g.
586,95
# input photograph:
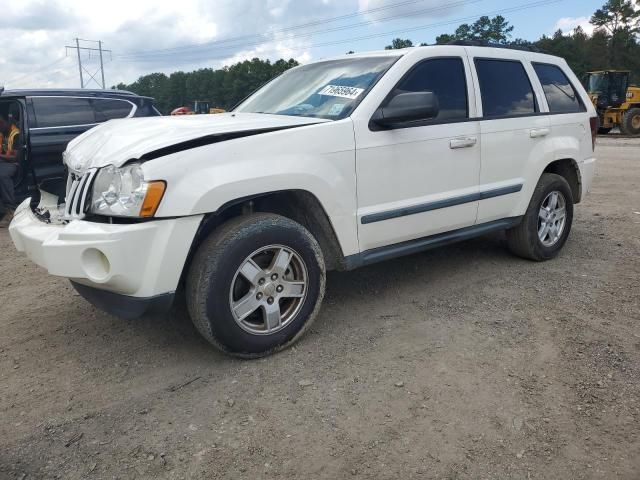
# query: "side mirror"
408,107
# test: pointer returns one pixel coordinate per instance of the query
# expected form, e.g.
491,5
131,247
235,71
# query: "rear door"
570,127
56,121
513,130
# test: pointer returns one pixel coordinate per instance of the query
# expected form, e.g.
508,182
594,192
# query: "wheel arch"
569,170
298,205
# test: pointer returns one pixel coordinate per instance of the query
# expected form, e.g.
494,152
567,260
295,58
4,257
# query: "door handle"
464,142
540,132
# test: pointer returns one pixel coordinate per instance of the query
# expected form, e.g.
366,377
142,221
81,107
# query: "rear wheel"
631,122
255,285
546,225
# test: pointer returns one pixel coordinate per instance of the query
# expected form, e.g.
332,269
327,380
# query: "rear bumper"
141,260
587,172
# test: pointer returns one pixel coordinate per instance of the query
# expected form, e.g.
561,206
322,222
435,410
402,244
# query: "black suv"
50,119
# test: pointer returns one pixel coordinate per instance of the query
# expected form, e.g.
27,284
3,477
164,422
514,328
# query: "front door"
421,178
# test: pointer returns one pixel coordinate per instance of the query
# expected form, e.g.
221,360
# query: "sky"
146,36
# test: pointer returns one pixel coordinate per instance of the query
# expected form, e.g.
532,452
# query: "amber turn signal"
155,191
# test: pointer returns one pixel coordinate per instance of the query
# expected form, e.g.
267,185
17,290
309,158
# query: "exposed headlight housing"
123,192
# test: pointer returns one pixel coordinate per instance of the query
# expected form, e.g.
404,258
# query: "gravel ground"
459,363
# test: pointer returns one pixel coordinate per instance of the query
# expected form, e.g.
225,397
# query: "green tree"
495,29
445,38
221,88
619,20
398,43
617,16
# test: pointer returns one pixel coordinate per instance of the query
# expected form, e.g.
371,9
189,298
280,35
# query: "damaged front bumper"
120,268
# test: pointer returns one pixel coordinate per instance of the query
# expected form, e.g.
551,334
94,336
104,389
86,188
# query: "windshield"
330,90
598,83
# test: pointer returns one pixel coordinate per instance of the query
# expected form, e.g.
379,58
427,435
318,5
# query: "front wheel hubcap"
268,290
552,218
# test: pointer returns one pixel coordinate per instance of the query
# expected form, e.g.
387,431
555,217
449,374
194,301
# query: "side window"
109,109
505,88
63,111
445,77
147,110
561,96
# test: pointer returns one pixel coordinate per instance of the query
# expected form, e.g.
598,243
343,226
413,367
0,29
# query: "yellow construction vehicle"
617,102
202,107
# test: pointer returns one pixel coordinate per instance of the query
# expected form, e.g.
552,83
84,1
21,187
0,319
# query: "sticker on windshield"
336,109
340,91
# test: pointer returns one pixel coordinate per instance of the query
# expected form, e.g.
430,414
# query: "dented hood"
118,141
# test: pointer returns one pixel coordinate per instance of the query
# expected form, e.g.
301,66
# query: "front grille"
78,192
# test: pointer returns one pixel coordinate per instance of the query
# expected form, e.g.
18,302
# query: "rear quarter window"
111,108
560,93
63,111
505,88
147,109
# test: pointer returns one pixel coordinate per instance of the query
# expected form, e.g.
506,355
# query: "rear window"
63,111
505,88
561,96
109,109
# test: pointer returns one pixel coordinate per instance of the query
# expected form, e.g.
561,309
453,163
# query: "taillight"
594,122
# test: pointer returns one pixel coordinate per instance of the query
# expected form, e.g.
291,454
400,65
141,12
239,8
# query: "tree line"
223,88
614,44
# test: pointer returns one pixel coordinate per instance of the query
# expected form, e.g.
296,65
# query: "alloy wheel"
552,218
268,290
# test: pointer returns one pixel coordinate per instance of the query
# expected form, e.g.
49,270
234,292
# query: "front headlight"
123,192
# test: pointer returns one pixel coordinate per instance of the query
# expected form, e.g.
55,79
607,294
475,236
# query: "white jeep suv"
332,165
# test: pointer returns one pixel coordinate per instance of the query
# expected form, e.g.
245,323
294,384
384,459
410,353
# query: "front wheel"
546,225
256,284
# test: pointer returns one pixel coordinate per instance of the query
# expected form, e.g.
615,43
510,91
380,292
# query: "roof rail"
487,43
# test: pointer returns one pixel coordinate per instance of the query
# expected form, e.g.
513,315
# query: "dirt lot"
460,363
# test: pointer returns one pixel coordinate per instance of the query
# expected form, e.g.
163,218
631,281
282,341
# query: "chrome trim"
70,196
66,126
87,187
79,189
77,194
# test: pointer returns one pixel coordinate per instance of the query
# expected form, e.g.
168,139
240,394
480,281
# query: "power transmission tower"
81,67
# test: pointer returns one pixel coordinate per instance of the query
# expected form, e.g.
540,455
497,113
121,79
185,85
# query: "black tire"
604,131
212,273
631,122
523,240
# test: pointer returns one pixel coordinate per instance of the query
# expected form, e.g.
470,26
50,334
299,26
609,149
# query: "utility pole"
101,64
82,68
79,62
